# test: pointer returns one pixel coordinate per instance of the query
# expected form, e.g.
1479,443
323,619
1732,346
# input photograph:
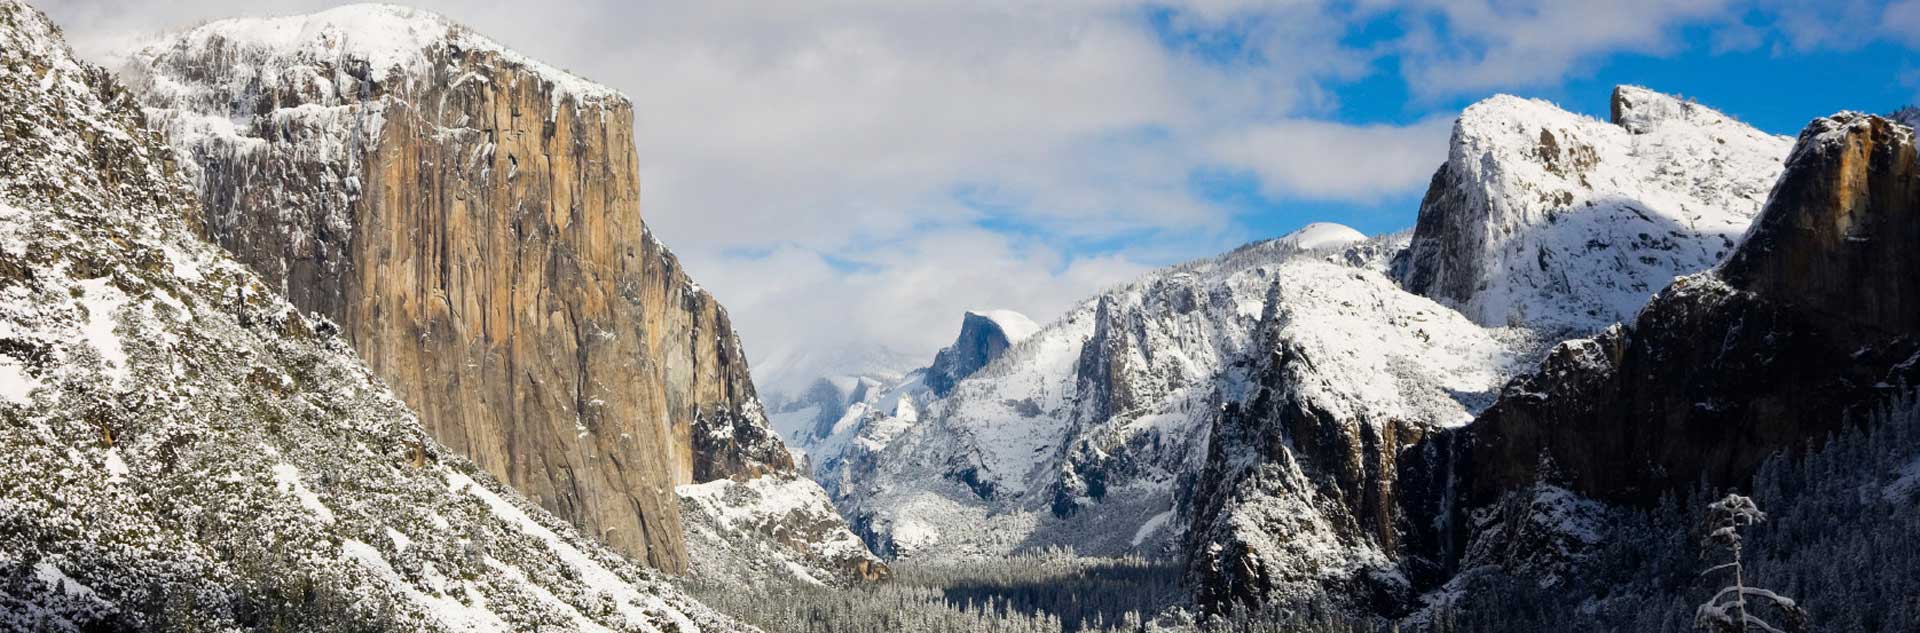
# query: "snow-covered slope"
185,450
777,526
1546,218
1093,431
1252,409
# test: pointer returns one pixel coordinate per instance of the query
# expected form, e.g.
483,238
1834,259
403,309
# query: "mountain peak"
1640,110
984,334
1323,235
1547,218
1014,325
368,40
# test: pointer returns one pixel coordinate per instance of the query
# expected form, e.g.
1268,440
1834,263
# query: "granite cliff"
470,219
186,450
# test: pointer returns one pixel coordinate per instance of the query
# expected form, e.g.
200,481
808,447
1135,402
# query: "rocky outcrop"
1906,115
742,533
1812,316
983,336
1299,499
1838,242
186,450
470,218
1549,220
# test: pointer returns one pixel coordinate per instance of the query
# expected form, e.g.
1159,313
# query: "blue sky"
849,176
1772,83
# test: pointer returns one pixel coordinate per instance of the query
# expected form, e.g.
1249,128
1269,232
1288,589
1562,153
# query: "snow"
449,611
116,467
287,478
51,575
1321,235
1025,428
102,300
237,404
1906,482
386,37
16,385
1572,223
1151,526
629,603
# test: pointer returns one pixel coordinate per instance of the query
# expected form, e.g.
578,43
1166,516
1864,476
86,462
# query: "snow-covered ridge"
1088,432
383,37
1552,219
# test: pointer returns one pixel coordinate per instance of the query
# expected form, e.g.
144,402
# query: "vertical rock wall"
471,220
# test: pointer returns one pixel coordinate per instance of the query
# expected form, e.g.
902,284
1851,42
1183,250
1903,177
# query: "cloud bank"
855,173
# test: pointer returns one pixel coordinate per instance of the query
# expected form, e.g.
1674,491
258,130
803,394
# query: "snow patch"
1152,525
116,467
15,385
287,479
102,300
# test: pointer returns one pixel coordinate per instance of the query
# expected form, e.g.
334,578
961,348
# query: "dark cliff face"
1281,445
981,340
472,222
1443,261
1812,317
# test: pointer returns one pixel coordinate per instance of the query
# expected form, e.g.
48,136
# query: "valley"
352,321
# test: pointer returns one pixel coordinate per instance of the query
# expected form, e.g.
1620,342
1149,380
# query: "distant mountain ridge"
1268,414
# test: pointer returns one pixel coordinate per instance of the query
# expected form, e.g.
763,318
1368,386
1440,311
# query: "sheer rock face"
1812,317
1841,245
981,340
471,220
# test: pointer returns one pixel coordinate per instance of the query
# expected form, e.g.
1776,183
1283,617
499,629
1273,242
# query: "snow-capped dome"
1323,235
1015,326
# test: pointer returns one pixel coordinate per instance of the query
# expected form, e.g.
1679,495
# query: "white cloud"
1320,159
907,297
1455,46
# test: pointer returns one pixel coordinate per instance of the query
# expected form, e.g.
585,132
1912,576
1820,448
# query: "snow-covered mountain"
1906,115
1812,322
1255,412
1083,433
186,450
470,217
1548,219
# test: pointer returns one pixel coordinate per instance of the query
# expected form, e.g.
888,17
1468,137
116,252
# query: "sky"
849,176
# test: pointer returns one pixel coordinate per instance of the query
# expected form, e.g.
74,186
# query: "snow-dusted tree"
1728,610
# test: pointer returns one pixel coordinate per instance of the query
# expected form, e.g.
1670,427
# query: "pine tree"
1726,611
